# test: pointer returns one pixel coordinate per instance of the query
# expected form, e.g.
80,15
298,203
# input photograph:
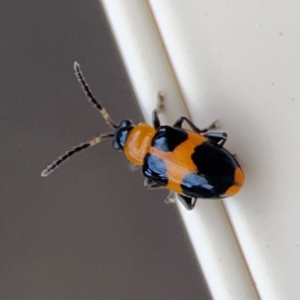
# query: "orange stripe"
179,162
239,180
239,176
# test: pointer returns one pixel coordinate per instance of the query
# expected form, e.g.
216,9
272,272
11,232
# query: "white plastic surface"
236,61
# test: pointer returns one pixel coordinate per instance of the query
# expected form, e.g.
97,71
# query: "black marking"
216,164
155,169
168,138
195,185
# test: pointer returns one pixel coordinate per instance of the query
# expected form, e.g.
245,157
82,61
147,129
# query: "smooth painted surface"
238,61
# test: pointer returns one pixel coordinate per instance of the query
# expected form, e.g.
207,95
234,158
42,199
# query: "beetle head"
121,134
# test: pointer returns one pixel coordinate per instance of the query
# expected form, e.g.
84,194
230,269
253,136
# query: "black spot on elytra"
155,169
216,164
195,185
168,138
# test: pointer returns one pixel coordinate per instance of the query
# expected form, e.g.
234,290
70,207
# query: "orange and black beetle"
191,163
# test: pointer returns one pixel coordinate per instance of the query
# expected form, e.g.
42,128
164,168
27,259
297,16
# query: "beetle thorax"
138,143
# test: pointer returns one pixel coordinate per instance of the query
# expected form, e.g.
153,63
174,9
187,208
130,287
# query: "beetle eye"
125,123
121,137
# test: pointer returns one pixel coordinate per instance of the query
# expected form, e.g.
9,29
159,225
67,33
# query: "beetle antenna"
90,96
76,149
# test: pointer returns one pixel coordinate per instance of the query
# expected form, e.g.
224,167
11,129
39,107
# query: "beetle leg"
160,101
211,126
155,119
159,107
150,184
179,122
133,167
188,202
170,198
217,137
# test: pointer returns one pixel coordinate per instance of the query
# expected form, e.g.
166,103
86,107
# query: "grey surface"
90,230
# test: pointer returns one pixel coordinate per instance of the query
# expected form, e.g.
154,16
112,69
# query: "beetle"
191,163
